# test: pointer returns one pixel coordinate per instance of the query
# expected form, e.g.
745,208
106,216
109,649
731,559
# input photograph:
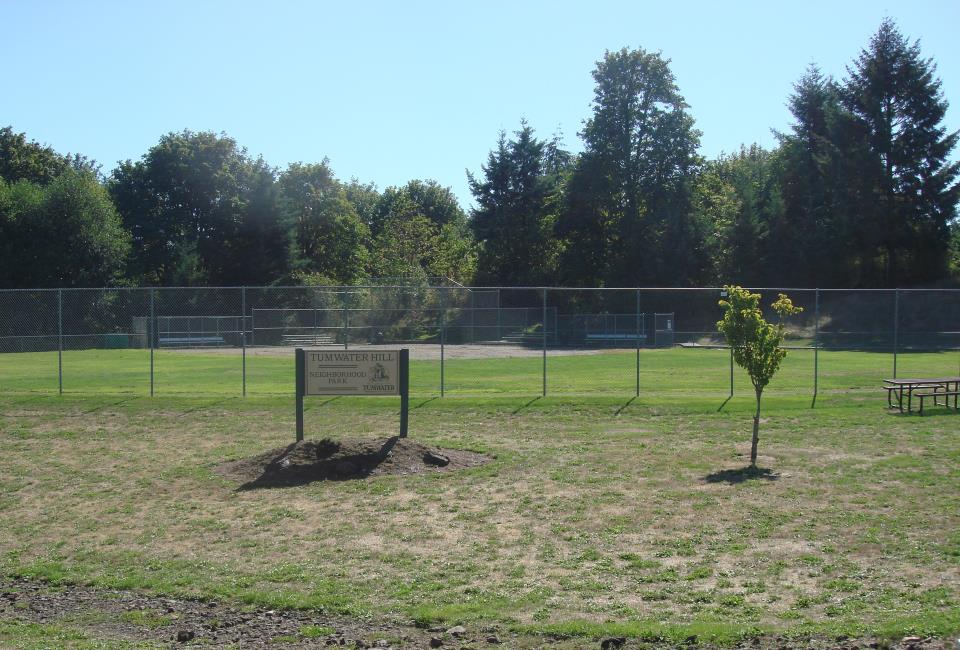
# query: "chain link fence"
463,340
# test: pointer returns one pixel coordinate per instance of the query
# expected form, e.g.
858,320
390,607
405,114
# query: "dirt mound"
343,460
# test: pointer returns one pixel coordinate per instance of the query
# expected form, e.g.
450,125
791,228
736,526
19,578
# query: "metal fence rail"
441,319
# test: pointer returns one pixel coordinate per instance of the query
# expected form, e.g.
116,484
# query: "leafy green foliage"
425,198
64,234
200,210
755,343
27,161
420,232
328,238
628,219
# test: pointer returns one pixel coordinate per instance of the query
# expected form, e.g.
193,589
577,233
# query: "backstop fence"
472,340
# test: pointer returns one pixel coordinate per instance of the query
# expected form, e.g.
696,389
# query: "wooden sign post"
353,372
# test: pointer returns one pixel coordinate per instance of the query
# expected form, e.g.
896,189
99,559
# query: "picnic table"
925,387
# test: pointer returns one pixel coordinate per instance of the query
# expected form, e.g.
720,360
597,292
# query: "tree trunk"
756,431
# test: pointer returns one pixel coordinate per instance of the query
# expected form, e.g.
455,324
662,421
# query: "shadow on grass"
325,460
100,407
425,402
208,405
937,411
528,404
317,405
741,474
624,407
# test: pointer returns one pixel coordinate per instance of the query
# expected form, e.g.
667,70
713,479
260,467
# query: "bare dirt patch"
113,616
343,460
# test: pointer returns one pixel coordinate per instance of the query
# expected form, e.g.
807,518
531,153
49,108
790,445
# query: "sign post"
353,372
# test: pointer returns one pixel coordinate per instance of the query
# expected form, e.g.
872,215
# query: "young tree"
755,342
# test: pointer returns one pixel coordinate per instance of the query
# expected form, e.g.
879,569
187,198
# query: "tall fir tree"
896,100
513,221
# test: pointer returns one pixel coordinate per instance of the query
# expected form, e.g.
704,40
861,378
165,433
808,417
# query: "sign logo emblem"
379,374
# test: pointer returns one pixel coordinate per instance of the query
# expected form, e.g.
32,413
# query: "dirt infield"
421,351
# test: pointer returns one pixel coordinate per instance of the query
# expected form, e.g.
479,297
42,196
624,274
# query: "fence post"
638,343
443,336
243,334
499,317
816,346
473,308
544,342
896,328
60,339
346,322
152,329
731,372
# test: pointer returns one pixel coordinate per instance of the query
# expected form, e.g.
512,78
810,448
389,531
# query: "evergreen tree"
514,219
897,102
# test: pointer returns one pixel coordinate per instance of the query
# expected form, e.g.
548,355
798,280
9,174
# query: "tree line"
859,192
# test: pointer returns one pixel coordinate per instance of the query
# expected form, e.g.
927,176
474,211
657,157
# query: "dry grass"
584,515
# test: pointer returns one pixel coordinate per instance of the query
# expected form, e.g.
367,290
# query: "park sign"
353,372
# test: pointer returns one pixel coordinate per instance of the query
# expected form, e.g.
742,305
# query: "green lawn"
673,373
600,514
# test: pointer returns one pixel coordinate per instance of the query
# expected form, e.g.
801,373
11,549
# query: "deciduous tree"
63,234
327,236
756,344
628,218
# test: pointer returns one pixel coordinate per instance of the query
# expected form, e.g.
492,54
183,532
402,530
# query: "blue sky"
391,91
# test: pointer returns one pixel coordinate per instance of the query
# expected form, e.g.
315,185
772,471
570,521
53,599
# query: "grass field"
599,515
664,373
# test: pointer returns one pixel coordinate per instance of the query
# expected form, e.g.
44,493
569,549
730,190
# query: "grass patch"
595,509
315,631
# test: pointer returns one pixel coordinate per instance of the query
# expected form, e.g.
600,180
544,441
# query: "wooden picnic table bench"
925,387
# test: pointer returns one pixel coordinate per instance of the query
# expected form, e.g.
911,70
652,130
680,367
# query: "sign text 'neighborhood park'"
352,372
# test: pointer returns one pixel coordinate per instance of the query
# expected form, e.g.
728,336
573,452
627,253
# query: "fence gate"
663,328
